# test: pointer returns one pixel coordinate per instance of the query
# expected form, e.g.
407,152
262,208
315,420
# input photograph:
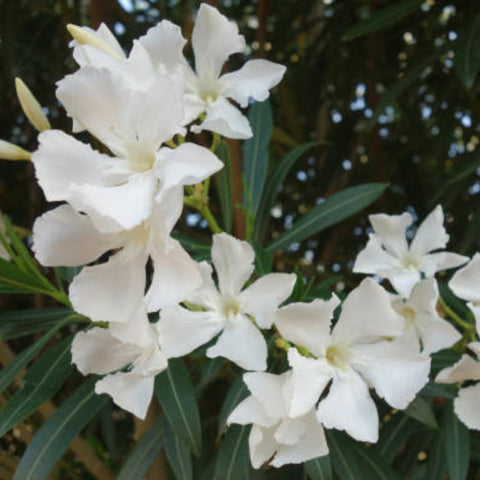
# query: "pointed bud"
31,107
84,36
9,151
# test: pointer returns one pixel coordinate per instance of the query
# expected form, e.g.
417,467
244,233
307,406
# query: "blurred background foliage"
387,88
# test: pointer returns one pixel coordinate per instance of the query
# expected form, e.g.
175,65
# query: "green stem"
456,318
215,142
200,204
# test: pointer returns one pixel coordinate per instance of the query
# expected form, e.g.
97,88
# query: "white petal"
214,39
431,234
151,362
465,282
348,406
181,331
403,280
307,324
116,202
311,445
164,42
185,165
309,379
66,238
242,343
391,229
111,291
367,312
129,391
207,295
435,262
466,406
253,80
233,261
97,351
263,297
374,259
225,119
136,331
268,389
251,410
62,161
175,277
475,309
290,430
465,369
165,215
410,371
262,445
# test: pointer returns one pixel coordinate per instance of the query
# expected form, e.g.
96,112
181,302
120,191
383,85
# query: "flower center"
410,263
337,357
230,309
409,314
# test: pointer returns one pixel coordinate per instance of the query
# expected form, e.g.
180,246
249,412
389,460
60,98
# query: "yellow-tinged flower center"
337,356
230,308
410,263
409,314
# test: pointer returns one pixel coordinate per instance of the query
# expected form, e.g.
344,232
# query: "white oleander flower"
389,256
134,345
357,353
468,398
133,124
466,285
274,433
214,39
110,291
228,310
425,329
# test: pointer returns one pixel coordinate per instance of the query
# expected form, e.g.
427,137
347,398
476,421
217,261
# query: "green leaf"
41,382
403,84
353,461
176,394
178,455
394,435
8,374
319,468
18,323
224,187
338,207
144,453
238,392
12,276
210,371
436,464
263,261
272,187
457,444
382,19
467,53
233,461
421,410
55,435
255,151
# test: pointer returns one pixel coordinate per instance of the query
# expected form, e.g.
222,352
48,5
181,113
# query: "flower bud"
84,36
9,151
31,107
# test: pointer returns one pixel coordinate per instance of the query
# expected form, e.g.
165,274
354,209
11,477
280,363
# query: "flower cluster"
149,301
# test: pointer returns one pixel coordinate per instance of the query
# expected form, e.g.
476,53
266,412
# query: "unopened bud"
31,107
84,36
9,151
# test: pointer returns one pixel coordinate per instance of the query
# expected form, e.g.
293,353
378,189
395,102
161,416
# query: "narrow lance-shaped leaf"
319,468
41,382
255,151
238,391
144,453
273,184
467,54
55,435
420,410
457,444
383,18
176,394
8,374
224,187
233,460
339,206
178,455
